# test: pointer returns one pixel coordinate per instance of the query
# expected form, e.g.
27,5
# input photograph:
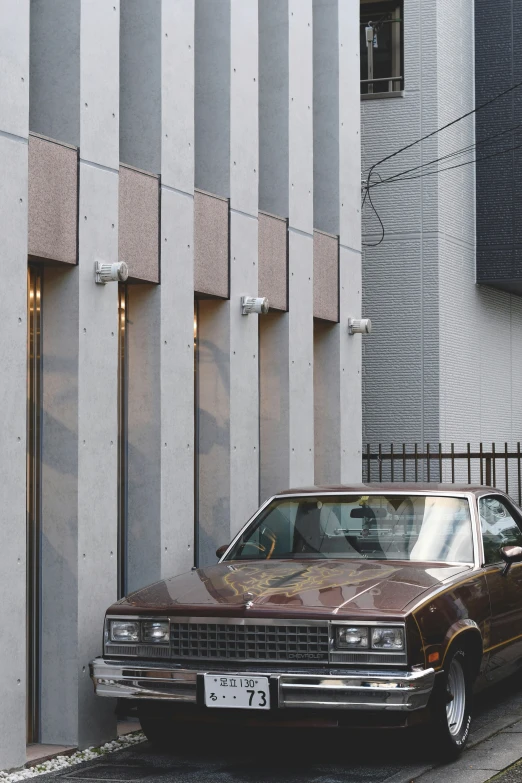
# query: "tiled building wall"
433,366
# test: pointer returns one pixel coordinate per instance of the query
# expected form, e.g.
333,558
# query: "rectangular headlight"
387,638
124,631
352,637
155,631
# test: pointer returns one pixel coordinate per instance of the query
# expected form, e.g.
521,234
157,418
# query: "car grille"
249,642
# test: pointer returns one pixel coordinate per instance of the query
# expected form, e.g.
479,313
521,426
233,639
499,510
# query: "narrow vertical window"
33,495
122,439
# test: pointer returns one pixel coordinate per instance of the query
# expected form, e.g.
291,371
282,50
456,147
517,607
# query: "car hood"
291,588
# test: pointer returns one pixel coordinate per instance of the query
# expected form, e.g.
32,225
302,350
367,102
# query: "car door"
501,525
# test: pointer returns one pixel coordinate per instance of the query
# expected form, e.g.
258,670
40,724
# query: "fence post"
488,471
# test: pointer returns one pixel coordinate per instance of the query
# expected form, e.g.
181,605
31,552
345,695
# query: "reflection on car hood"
291,588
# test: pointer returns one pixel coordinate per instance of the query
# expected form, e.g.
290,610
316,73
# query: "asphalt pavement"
322,755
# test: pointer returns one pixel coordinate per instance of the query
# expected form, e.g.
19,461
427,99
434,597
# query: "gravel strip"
62,762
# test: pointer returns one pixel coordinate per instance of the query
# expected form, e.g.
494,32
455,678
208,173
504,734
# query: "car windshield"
377,527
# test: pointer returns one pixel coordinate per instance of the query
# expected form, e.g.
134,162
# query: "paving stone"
494,754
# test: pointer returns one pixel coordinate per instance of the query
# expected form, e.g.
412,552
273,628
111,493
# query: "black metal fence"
491,466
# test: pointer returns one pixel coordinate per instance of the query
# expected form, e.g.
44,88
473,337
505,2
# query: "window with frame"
381,36
500,527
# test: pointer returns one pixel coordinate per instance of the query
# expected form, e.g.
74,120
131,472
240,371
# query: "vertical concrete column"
14,128
244,361
177,285
157,135
337,377
59,665
286,149
301,245
227,164
75,84
98,350
144,435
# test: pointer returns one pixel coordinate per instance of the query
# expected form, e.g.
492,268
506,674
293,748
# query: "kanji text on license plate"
247,693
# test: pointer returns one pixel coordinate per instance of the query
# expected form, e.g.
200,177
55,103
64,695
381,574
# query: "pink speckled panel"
326,277
139,224
53,196
273,260
210,245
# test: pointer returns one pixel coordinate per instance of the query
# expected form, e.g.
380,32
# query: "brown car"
382,605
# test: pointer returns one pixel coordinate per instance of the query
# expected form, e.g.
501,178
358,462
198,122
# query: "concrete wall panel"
301,347
244,362
13,392
55,70
274,404
326,51
244,102
177,382
60,505
14,120
300,118
273,260
350,125
273,106
213,514
14,67
211,245
140,84
326,277
139,224
97,439
144,436
212,71
100,65
53,201
177,138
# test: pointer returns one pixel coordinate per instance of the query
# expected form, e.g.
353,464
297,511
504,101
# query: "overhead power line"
400,175
444,127
449,168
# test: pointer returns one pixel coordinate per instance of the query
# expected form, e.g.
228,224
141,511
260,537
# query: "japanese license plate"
250,693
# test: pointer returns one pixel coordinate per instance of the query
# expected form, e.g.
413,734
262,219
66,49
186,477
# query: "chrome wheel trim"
456,708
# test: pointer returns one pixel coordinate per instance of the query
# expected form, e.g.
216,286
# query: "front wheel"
161,728
451,706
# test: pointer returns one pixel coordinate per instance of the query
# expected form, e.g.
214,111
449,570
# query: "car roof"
391,487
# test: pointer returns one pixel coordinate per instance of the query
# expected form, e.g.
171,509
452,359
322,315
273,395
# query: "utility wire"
383,233
456,153
391,180
444,127
450,168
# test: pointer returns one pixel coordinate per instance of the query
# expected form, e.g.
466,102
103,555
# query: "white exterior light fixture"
254,304
359,326
111,273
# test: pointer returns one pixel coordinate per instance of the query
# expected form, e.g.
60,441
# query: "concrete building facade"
212,145
442,364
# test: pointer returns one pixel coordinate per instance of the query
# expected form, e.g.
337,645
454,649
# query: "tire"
451,706
161,729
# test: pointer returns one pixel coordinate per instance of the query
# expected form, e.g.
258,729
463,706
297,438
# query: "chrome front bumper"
380,691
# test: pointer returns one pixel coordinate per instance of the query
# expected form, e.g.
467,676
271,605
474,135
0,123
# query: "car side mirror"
510,555
220,551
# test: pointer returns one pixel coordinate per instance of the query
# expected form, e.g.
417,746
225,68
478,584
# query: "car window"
499,527
353,526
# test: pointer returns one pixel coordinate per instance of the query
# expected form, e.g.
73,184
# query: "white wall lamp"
110,273
254,304
359,326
